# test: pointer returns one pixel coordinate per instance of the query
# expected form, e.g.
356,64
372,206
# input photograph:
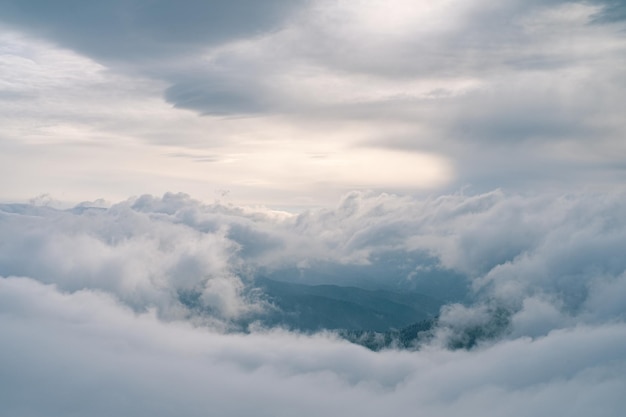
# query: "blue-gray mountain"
316,307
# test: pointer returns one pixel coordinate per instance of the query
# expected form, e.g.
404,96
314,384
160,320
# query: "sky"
471,150
294,103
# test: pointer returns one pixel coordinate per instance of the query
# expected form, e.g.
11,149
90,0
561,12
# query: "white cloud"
133,308
142,260
84,353
95,307
548,259
538,317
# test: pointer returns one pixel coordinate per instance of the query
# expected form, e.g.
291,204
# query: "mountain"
316,307
402,271
406,338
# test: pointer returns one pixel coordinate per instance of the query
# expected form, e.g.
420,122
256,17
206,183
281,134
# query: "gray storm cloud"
137,30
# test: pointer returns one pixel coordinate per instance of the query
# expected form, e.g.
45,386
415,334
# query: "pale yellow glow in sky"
82,135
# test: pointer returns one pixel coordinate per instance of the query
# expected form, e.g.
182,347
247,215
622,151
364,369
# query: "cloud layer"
101,358
563,250
92,319
152,305
294,102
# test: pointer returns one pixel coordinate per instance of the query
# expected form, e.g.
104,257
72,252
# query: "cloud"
93,301
612,11
137,30
559,253
145,262
147,306
437,92
467,82
101,358
215,97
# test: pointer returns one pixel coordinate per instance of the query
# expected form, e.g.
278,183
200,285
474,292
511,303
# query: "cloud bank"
85,353
93,322
562,249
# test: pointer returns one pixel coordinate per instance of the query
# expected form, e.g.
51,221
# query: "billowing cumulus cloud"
558,254
144,261
92,301
506,247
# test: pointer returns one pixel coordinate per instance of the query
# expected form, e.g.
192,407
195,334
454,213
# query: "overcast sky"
155,148
293,103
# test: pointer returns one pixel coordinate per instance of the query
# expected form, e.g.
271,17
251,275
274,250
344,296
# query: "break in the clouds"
297,102
93,320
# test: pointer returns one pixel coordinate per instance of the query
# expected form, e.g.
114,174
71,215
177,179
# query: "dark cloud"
124,30
217,97
613,11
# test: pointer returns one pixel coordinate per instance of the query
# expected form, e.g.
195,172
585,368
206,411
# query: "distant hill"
316,307
375,319
402,271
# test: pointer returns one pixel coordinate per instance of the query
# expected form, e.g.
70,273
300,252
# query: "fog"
93,323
